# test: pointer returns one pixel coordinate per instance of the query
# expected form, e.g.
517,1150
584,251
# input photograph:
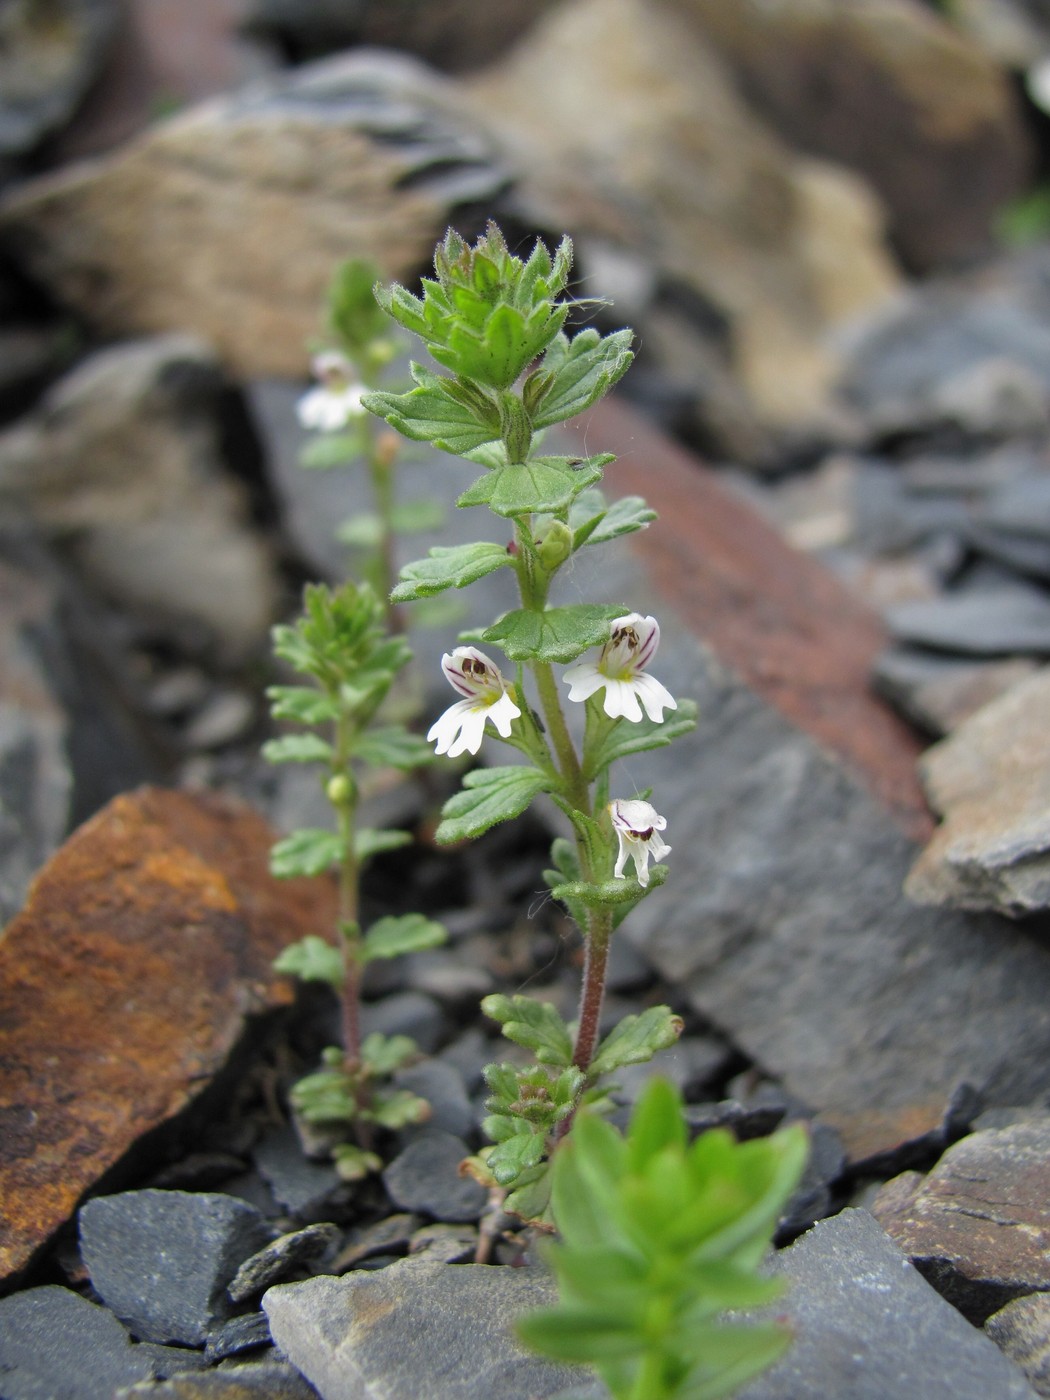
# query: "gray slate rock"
416,1331
783,919
49,57
123,461
868,1326
162,1260
278,1259
259,1380
998,622
55,1345
441,1084
1021,1331
938,692
306,1189
425,1177
245,1333
990,780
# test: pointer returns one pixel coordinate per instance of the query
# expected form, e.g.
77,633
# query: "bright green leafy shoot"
659,1239
349,661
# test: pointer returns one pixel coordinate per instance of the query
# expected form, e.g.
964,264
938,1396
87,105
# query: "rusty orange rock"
144,950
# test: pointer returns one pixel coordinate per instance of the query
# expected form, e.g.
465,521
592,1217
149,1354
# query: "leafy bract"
309,851
395,934
595,522
373,841
559,634
434,412
297,748
312,959
540,484
449,566
581,370
534,1024
393,746
489,796
627,738
636,1039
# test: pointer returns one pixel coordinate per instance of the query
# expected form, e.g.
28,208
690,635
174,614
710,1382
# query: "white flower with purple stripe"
620,670
637,825
461,728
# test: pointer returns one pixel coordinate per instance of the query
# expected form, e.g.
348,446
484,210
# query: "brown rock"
229,220
978,1226
143,953
1022,1331
991,780
890,89
642,143
792,632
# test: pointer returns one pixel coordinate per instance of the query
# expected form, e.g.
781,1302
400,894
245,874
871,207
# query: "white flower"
461,728
337,399
637,826
621,670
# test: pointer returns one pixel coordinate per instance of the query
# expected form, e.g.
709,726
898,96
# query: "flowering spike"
620,670
637,825
461,728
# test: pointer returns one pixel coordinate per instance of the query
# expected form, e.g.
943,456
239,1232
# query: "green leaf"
393,746
414,517
331,450
312,959
310,851
361,531
383,1054
297,748
626,738
609,891
490,795
325,1097
540,484
301,703
637,1039
397,1109
657,1122
534,1024
623,517
353,1163
578,1334
530,1199
430,413
559,634
370,841
509,1159
449,566
584,369
395,934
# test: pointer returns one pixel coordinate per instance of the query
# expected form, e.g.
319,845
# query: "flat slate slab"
868,1326
143,953
416,1328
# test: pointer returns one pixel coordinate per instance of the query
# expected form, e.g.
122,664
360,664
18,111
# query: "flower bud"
339,790
556,546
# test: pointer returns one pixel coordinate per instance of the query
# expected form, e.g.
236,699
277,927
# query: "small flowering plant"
496,324
341,647
361,348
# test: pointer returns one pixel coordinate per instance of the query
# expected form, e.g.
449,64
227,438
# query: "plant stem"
592,993
382,452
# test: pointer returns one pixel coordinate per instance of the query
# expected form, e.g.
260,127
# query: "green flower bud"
339,790
556,546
